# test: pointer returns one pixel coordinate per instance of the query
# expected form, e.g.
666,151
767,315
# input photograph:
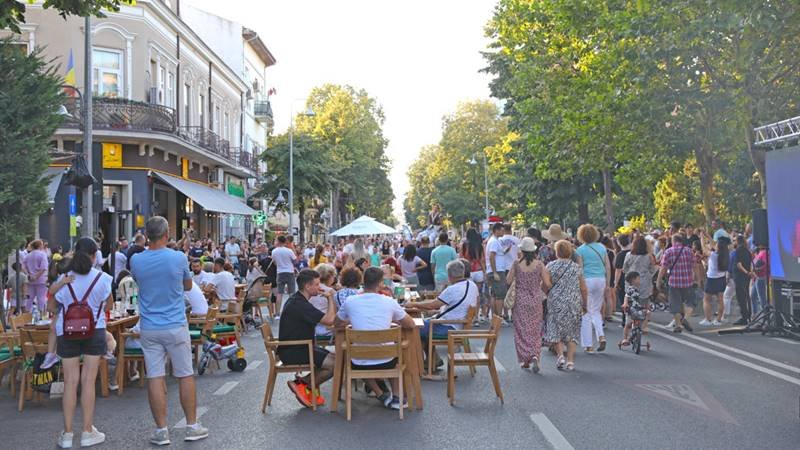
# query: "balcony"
128,115
262,110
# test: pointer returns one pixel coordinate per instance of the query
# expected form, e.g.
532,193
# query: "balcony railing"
262,110
121,114
245,159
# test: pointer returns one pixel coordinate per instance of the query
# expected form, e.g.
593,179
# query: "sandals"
589,350
560,362
625,343
602,346
570,366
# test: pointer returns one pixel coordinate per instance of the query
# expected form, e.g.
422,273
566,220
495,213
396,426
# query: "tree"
30,95
12,12
312,175
349,122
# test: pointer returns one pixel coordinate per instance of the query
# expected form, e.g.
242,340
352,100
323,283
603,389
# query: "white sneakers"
705,322
89,439
716,323
713,323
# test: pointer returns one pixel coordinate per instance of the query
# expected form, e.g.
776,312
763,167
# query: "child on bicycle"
633,300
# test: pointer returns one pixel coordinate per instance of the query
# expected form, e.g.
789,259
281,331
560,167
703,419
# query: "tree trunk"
705,164
302,225
609,200
583,211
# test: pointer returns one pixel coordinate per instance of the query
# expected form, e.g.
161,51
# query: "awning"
52,188
209,198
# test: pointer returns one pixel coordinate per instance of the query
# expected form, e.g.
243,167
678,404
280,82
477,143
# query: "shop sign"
112,156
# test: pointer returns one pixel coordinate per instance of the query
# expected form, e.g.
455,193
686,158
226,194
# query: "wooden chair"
20,320
229,323
484,358
199,328
126,355
10,358
33,342
437,340
380,344
266,294
276,366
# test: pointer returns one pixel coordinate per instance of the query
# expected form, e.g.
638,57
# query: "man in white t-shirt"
120,260
200,276
310,251
196,300
283,257
350,246
373,311
511,242
222,282
497,264
452,303
232,252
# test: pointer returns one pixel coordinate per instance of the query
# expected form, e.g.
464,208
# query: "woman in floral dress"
566,301
527,311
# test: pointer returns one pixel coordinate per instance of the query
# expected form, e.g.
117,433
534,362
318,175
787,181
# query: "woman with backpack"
84,294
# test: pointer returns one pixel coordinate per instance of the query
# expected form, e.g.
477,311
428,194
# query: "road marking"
200,411
499,365
741,362
788,341
690,395
550,432
225,388
760,358
253,365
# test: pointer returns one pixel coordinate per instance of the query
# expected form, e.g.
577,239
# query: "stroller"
251,296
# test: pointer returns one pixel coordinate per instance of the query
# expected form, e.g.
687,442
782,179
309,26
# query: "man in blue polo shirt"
162,275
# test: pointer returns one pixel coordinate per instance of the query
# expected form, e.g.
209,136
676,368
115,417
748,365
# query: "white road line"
253,365
788,341
741,362
550,432
200,411
760,358
225,388
499,365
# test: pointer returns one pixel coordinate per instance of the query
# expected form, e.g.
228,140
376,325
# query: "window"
187,107
171,90
215,119
201,109
225,126
107,73
162,78
21,46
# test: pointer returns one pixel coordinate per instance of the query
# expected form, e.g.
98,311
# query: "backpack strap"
452,307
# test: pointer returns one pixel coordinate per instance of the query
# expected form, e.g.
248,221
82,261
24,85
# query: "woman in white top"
410,263
84,281
718,262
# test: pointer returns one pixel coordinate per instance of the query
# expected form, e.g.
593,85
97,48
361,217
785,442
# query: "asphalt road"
695,390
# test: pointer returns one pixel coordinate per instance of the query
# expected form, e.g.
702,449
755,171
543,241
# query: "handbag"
511,293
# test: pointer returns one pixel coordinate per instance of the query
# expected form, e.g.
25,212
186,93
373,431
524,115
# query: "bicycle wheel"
202,364
636,341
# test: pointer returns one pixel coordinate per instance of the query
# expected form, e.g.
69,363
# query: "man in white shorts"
283,257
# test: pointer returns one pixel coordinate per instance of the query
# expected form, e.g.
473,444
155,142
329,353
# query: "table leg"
337,372
103,377
416,378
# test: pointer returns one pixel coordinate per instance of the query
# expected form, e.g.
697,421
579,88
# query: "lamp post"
87,125
472,162
308,113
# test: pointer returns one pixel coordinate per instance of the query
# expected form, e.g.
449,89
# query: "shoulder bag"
511,293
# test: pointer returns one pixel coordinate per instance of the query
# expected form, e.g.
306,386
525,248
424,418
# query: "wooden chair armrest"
299,342
461,337
127,334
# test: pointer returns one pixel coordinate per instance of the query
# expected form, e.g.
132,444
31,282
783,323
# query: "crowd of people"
557,290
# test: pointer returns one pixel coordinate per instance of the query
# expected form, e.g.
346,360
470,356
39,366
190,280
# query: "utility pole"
88,195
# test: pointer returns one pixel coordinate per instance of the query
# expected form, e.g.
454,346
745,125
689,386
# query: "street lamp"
473,162
280,198
308,113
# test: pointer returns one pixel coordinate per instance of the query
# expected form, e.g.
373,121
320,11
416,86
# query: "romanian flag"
69,78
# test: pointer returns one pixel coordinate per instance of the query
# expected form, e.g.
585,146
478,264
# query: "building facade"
171,123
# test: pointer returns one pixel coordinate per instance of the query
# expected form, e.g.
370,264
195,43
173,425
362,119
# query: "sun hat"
527,245
554,233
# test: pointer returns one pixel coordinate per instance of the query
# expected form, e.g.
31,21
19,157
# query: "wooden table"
412,357
115,327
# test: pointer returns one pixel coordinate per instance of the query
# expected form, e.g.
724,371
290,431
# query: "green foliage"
30,95
444,173
12,12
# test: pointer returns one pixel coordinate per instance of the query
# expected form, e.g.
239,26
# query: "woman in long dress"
566,301
526,273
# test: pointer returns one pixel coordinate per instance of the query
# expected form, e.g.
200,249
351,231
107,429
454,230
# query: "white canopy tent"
364,226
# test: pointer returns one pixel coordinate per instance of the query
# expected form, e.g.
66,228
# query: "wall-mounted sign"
236,189
112,156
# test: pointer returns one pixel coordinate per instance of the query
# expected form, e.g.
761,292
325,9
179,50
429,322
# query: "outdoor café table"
412,356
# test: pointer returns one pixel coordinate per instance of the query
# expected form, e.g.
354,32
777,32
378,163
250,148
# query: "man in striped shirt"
677,263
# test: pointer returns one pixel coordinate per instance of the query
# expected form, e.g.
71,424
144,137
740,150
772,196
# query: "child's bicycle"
213,350
637,314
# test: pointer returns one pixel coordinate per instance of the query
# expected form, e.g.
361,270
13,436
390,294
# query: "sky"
419,59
